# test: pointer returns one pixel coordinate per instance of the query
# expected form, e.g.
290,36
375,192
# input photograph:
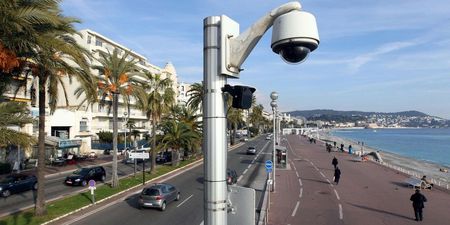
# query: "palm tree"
177,135
159,99
256,117
14,114
196,96
188,116
117,76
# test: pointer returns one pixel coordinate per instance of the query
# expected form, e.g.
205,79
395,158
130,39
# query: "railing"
264,213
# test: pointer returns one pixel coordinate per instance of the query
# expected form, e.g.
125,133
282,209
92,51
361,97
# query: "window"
83,126
89,39
98,42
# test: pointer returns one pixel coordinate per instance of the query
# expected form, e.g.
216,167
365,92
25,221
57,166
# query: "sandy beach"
404,164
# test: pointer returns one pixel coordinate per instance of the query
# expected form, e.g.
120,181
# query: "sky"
382,56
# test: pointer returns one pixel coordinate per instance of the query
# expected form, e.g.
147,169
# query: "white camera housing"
295,35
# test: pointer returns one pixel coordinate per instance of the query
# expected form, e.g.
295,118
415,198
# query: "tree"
196,93
158,100
117,77
177,135
188,116
14,114
256,117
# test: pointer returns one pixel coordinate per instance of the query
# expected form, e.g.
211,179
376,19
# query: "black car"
163,157
17,183
231,177
83,175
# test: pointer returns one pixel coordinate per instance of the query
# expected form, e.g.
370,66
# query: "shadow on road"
314,180
380,211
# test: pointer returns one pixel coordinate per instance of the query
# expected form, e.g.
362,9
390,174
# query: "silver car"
158,196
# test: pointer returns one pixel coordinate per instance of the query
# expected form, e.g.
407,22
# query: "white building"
183,95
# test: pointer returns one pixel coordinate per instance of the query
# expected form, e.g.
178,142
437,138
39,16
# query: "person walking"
350,149
334,162
342,147
418,200
337,175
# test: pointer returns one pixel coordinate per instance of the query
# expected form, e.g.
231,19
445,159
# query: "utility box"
282,157
241,205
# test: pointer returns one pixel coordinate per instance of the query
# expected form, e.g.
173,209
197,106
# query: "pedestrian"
342,147
337,175
350,149
334,143
334,162
328,148
418,200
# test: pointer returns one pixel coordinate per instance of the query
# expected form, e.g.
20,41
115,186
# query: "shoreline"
405,164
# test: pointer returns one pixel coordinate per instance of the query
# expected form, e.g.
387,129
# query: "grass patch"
69,204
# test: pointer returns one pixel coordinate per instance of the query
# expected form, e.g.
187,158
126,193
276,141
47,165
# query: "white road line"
341,214
297,174
337,196
184,201
301,193
240,178
323,175
245,171
328,181
312,164
248,167
300,182
295,209
315,167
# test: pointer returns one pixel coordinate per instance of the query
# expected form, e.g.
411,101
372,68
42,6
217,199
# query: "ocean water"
423,144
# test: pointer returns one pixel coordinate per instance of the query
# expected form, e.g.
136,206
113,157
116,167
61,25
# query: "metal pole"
143,171
278,128
274,149
214,127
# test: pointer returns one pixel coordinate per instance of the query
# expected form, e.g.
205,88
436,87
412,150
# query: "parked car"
251,150
17,183
83,175
158,196
231,177
267,137
92,155
163,157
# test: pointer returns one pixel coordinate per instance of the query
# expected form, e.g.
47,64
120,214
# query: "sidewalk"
368,193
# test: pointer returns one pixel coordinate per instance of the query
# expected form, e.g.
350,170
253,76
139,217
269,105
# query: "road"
55,188
189,210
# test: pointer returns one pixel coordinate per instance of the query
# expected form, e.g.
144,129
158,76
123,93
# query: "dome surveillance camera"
294,36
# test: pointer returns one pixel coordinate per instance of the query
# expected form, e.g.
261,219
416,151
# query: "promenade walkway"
367,193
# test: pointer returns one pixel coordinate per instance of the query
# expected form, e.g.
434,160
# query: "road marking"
301,193
295,209
184,201
323,175
245,171
337,196
240,178
315,167
341,214
297,173
248,167
312,164
300,182
328,181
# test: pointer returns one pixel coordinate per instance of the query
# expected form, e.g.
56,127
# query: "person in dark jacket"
418,200
337,175
334,162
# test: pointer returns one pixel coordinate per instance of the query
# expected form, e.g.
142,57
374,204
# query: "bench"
417,183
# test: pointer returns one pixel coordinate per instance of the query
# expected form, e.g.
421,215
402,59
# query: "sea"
426,144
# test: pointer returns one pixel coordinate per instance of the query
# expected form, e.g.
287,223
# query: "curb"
169,175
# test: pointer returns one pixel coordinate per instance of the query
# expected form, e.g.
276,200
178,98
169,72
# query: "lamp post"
224,51
274,105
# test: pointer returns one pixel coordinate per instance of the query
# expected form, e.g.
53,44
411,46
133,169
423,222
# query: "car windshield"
82,171
150,192
7,180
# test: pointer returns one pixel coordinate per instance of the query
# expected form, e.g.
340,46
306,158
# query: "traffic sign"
91,183
269,164
139,155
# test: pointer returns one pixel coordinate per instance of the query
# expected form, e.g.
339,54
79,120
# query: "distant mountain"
334,113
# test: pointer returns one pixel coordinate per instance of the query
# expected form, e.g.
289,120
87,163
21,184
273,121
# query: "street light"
225,50
274,106
125,121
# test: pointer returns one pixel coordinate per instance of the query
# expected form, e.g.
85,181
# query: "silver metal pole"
278,128
214,127
274,149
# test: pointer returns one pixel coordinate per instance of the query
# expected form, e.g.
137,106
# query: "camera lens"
294,54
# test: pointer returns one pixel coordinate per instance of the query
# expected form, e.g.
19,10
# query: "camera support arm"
241,46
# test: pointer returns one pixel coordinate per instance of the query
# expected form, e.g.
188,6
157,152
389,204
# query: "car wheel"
35,186
178,197
103,178
6,193
83,183
163,206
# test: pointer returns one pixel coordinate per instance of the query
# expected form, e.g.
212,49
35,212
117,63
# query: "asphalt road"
189,210
55,188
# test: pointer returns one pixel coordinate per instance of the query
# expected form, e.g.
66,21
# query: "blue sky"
384,56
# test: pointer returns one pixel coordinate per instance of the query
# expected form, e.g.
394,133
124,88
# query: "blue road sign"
269,164
91,183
